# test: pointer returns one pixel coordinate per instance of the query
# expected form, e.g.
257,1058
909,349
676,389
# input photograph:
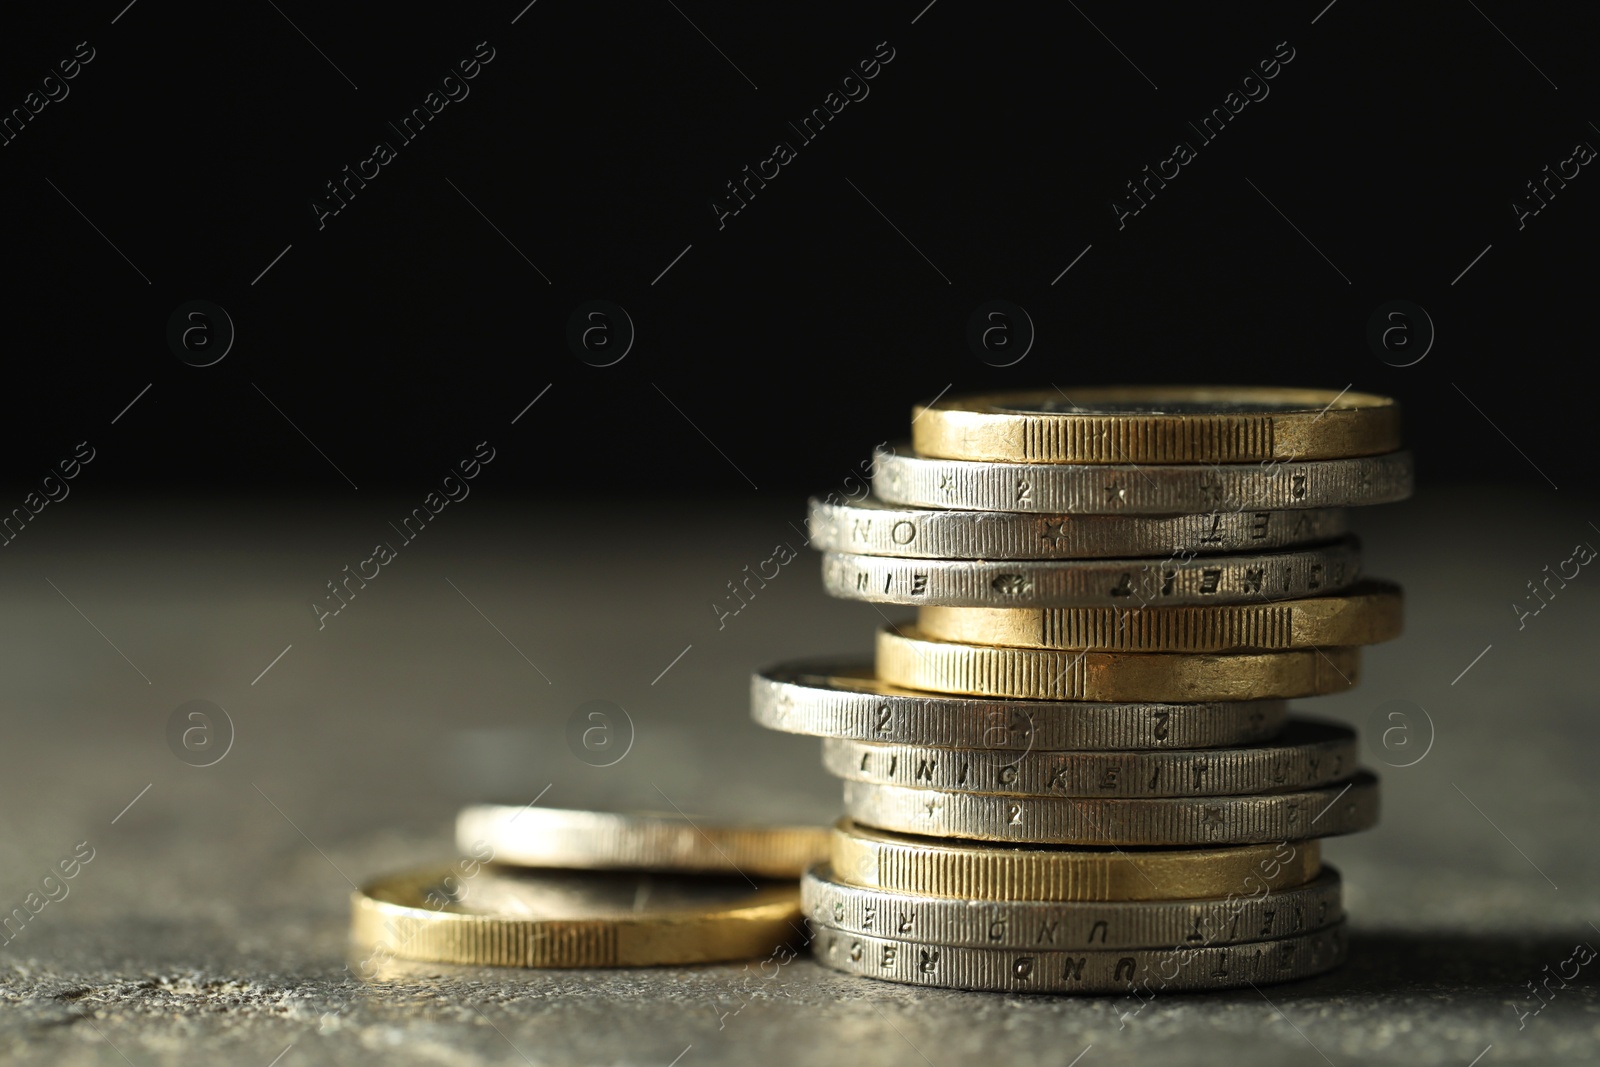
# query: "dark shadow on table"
1390,962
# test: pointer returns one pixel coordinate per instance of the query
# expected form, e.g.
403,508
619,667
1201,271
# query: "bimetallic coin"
648,841
1328,811
905,863
845,700
1087,971
1127,584
1014,924
1277,485
871,527
1157,424
1306,755
1365,614
907,658
515,918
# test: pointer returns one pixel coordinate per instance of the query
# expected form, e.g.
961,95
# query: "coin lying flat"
641,841
1121,583
1086,971
911,479
846,700
1157,424
1306,755
907,658
509,917
878,859
871,527
1326,811
1367,613
1026,924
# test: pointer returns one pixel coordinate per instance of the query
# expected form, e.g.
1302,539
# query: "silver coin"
873,528
833,699
1063,583
1237,820
1132,970
1048,925
903,477
1306,755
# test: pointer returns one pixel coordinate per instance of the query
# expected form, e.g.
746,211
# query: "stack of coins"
1075,771
550,887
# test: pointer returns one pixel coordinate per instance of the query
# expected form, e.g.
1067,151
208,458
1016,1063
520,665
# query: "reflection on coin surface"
668,840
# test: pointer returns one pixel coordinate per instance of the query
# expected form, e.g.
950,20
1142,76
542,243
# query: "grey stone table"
208,926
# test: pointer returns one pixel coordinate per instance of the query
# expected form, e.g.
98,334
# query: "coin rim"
569,838
1367,613
993,427
676,936
1173,822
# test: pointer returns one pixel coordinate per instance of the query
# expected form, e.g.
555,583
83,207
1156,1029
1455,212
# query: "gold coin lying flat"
906,657
1157,424
966,870
1366,614
648,841
516,918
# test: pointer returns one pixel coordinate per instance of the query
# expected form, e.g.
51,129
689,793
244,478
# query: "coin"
516,918
908,478
647,841
1326,811
1023,924
829,699
907,658
905,863
1157,424
873,528
1364,614
1307,754
1093,972
1122,583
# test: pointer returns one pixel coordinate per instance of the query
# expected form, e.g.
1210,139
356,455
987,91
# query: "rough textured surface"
209,927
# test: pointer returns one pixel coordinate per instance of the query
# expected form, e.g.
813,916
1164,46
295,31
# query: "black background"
408,329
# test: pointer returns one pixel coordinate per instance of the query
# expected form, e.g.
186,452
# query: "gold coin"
1366,614
907,658
969,871
504,916
1157,424
648,841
